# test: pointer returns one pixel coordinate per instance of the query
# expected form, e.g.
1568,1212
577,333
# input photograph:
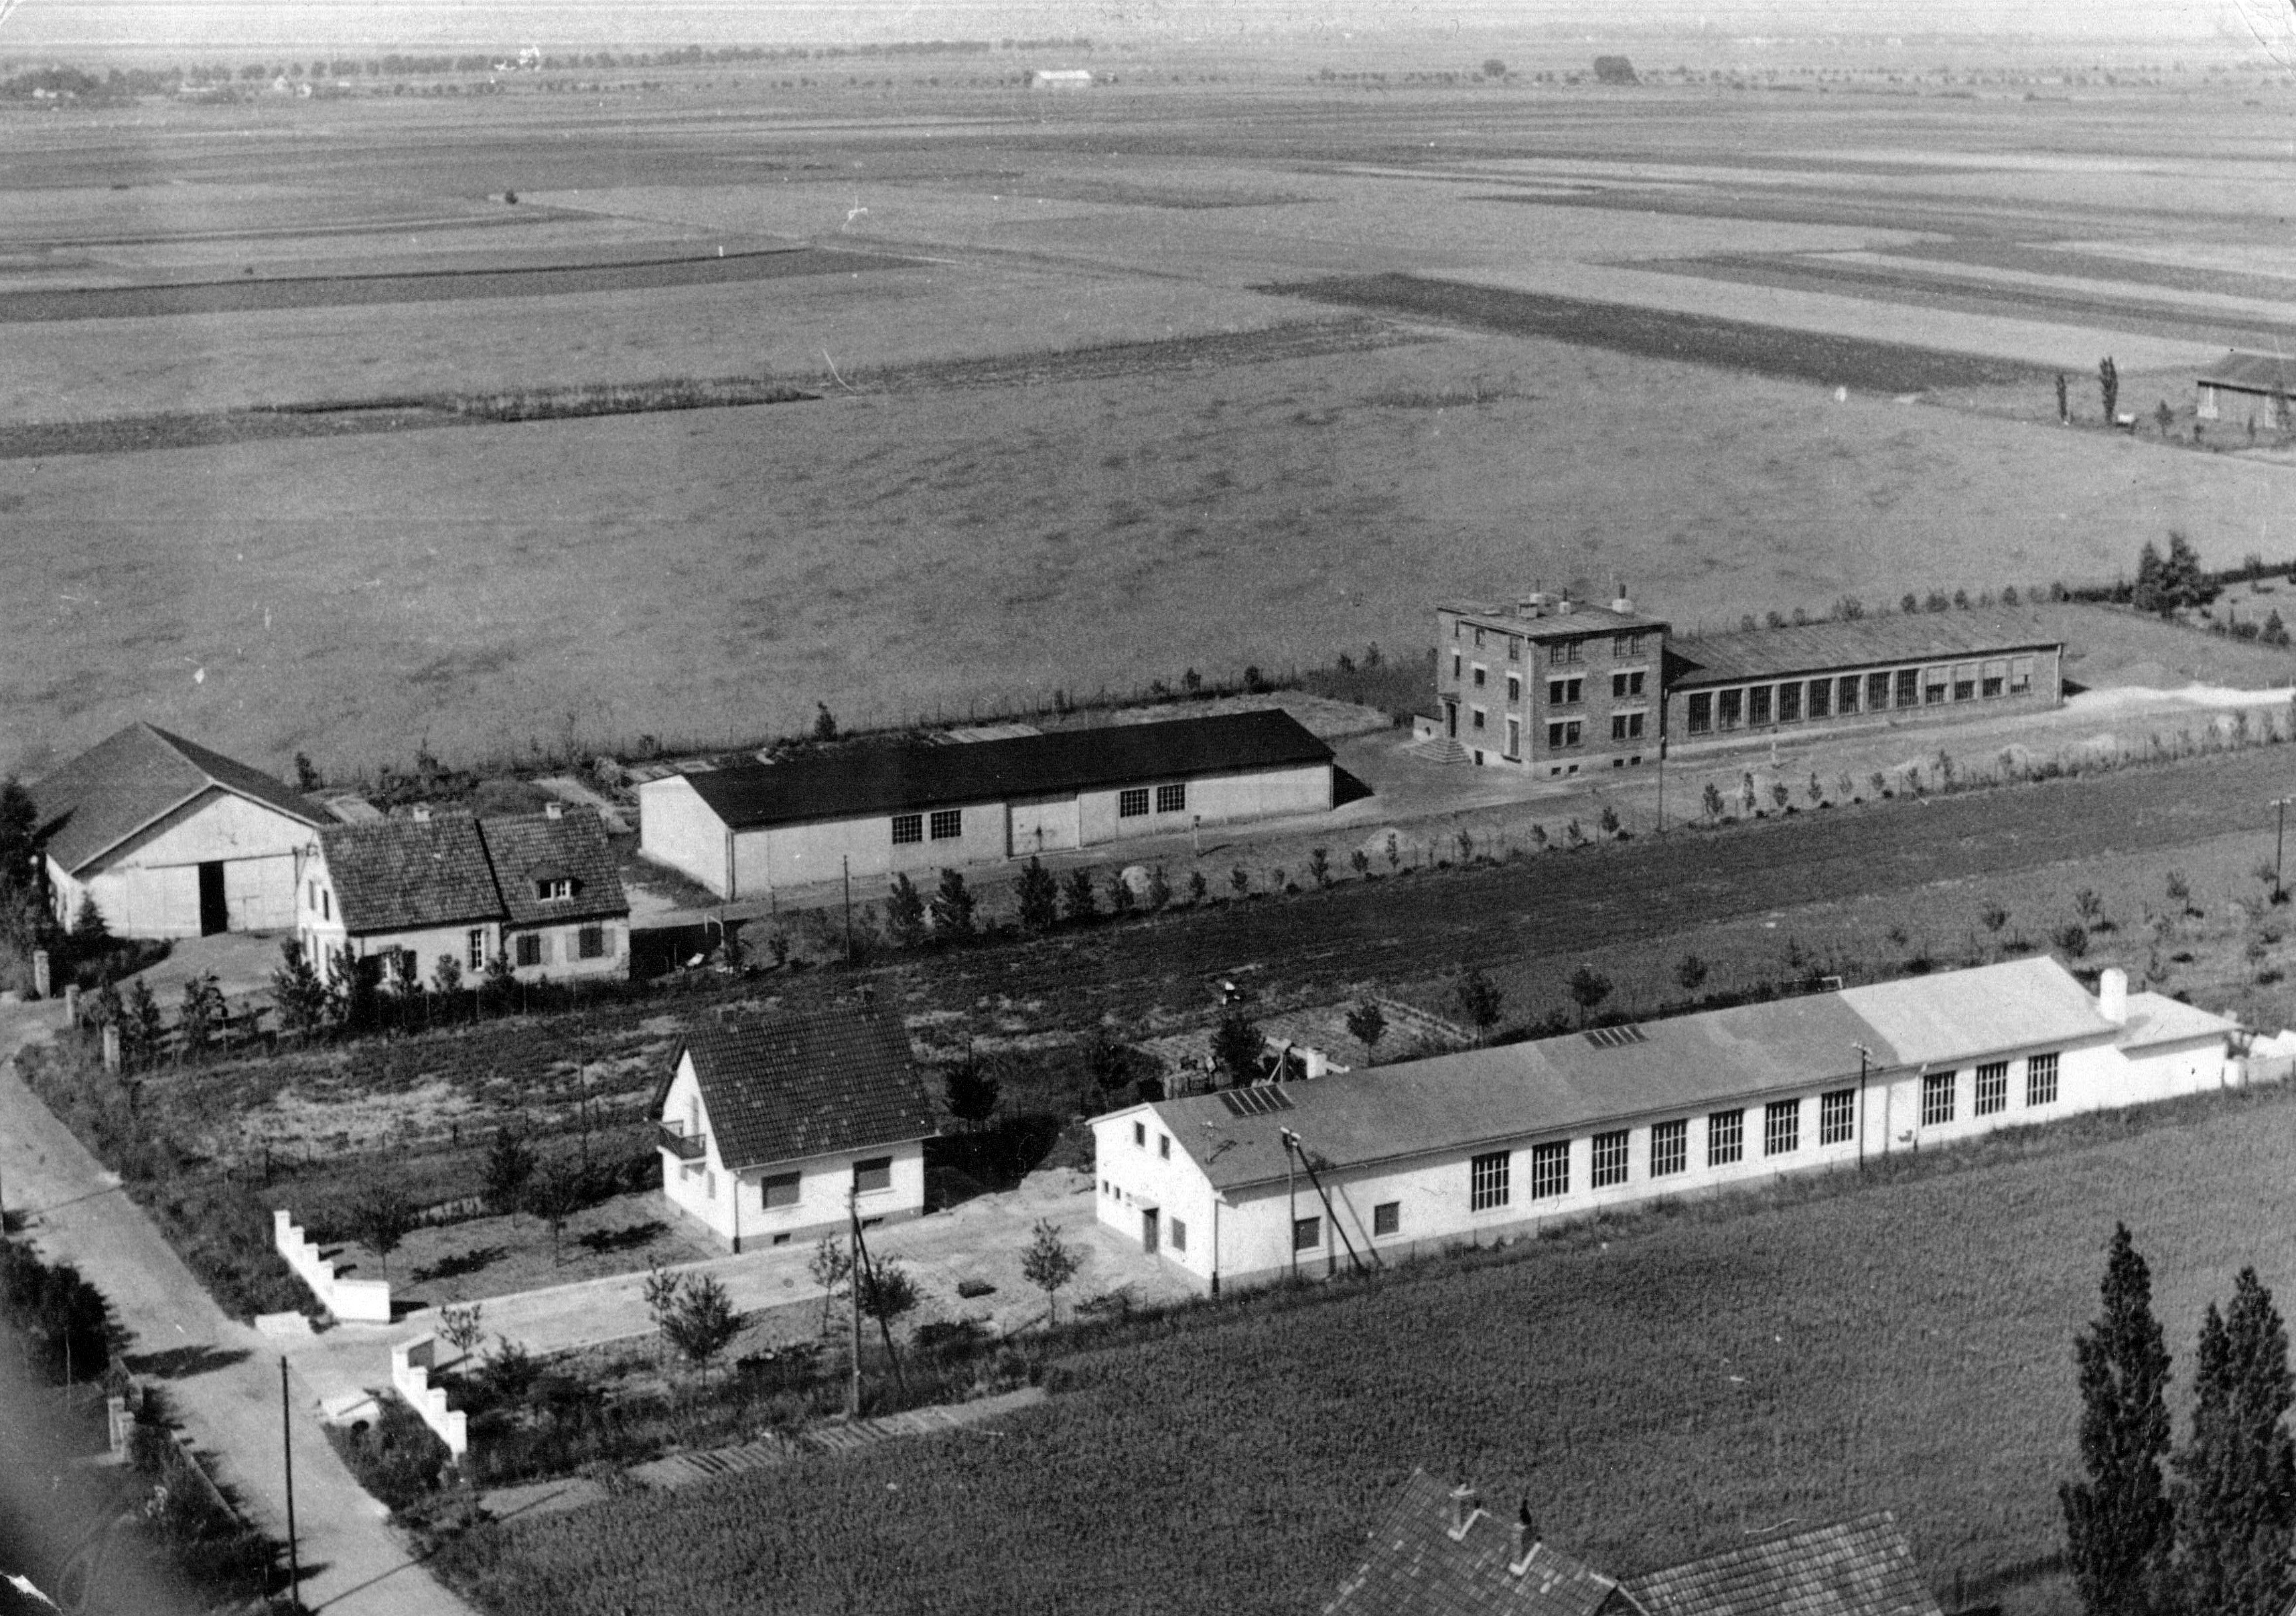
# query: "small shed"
1059,79
2249,387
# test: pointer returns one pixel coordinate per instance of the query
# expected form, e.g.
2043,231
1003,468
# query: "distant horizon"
146,27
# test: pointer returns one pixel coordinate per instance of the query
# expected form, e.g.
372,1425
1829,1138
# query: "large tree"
2119,1522
2235,1494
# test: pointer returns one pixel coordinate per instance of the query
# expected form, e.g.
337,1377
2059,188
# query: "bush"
397,1458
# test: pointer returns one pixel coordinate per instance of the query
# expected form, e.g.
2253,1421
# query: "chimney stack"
1621,602
2113,995
1464,1505
1526,1538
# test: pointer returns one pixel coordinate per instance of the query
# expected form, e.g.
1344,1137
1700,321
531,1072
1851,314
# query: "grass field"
1656,1387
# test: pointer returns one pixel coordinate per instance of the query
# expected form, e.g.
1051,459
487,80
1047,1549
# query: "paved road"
224,1387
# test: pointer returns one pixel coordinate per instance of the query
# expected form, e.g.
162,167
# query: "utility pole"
846,861
2279,843
287,1462
1864,1056
1661,784
1290,1198
853,1290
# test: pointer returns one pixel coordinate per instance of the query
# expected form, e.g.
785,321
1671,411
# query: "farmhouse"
170,838
539,891
746,832
1438,1552
1245,1186
773,1131
2255,388
1937,665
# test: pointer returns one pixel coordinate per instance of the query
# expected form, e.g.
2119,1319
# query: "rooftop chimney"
2113,995
1563,607
1464,1507
1620,602
554,810
1526,1540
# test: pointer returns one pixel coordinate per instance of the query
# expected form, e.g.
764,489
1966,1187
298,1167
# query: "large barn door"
214,912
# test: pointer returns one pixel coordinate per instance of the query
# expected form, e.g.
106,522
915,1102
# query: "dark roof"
404,874
1414,1567
1853,1568
133,779
1682,1064
1726,659
893,779
2251,373
792,1086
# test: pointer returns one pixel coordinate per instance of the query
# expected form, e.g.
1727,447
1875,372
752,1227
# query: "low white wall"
361,1301
410,1376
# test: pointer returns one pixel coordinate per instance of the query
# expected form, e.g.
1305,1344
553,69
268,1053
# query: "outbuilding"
748,831
778,1130
170,838
1244,1185
2252,388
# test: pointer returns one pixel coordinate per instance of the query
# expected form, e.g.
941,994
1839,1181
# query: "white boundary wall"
410,1375
359,1302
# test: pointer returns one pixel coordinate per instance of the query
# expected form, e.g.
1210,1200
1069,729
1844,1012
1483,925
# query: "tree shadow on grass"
456,1264
601,1242
181,1363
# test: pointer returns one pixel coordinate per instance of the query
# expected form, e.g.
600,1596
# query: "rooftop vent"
1258,1101
1616,1038
1536,604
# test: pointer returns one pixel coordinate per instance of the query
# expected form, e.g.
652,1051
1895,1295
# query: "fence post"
111,1046
72,1003
40,987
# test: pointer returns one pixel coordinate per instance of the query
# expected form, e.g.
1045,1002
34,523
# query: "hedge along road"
1395,929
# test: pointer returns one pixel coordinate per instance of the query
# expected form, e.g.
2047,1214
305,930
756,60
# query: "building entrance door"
1451,718
1148,1230
215,914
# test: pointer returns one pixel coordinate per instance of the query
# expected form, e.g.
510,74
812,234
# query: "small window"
1821,698
1626,645
1877,691
1909,681
475,947
1758,703
780,1190
2041,1079
1172,799
1937,1098
1964,682
1386,1217
1562,652
529,949
1481,675
1790,703
1179,1234
1729,713
1515,737
1454,666
590,942
1132,804
2021,676
1845,694
1626,685
1565,735
948,823
1140,1135
1479,639
1550,1170
1992,1088
1725,1137
875,1173
909,828
1670,1148
1837,1117
1609,1159
1781,1127
1164,1146
1700,719
557,890
1487,1182
710,1183
1996,678
1514,689
1306,1233
327,905
1626,727
1514,648
1565,693
1935,683
1478,717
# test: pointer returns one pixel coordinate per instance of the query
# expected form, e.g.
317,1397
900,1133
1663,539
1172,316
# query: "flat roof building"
745,832
1546,684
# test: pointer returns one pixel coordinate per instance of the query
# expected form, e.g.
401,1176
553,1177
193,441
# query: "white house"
775,1130
541,890
1468,1147
871,812
171,840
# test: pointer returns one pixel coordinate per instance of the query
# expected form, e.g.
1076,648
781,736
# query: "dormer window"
557,889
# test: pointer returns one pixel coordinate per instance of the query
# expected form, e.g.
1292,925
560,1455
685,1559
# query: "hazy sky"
33,26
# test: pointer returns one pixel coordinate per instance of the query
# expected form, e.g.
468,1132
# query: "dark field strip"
2135,315
1738,345
1318,945
2040,260
254,295
1113,360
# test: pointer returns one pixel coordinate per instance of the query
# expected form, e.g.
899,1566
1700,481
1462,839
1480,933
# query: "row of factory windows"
1795,700
947,824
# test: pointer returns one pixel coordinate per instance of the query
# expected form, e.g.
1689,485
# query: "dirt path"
221,1378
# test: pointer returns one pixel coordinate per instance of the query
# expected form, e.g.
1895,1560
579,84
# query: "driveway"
220,1378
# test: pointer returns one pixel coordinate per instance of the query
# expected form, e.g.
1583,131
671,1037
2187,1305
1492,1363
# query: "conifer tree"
2119,1522
2236,1495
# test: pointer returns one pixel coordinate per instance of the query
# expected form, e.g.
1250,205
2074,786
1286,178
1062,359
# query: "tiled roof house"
540,890
771,1129
170,838
1852,1568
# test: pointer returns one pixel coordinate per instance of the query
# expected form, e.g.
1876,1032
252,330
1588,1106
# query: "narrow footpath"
221,1378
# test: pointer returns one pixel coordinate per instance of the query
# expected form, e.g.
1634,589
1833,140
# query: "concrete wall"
677,828
1433,1194
1214,799
150,885
411,1363
794,855
561,950
1044,824
732,1208
366,1301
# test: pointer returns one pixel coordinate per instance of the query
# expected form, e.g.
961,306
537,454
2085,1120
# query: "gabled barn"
171,840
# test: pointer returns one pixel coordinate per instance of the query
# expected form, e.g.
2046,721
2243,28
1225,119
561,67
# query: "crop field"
1655,1386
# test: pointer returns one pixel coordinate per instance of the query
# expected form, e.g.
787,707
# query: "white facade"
782,1202
220,862
556,951
679,829
1476,1191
